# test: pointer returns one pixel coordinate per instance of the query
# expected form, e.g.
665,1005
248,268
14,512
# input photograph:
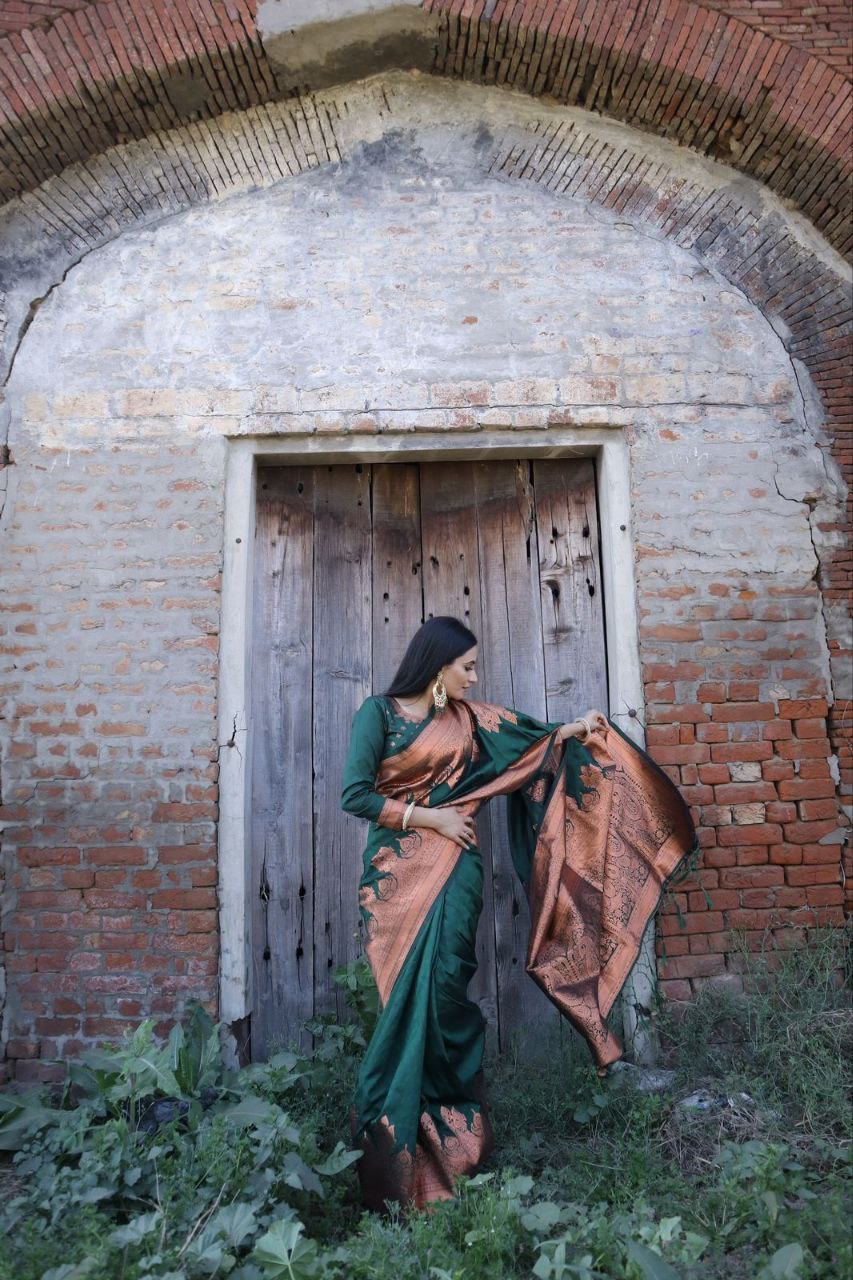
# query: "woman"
595,829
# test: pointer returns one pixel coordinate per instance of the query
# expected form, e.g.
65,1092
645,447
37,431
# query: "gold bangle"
584,720
409,807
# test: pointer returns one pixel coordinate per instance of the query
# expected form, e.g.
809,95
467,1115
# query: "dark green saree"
595,830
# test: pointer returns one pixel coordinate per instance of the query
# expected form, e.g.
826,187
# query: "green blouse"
378,729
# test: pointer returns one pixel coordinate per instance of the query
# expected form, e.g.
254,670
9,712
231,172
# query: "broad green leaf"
695,1244
194,1050
91,1083
651,1264
299,1176
17,1125
339,1159
101,1063
137,1229
70,1270
207,1254
786,1262
248,1271
519,1186
772,1204
175,1042
162,1074
94,1194
283,1253
235,1222
251,1110
15,1101
541,1216
289,1061
668,1227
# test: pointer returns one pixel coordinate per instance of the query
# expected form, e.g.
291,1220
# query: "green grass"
587,1182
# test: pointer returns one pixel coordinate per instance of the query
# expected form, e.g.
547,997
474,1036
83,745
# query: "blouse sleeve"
359,796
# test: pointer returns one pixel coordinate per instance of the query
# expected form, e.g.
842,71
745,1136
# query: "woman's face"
460,674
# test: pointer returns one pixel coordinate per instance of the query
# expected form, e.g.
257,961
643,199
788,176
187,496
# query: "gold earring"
439,693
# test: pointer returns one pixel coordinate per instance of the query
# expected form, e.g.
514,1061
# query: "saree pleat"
455,1035
596,832
418,1107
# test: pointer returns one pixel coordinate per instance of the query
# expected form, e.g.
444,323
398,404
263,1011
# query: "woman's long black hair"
435,644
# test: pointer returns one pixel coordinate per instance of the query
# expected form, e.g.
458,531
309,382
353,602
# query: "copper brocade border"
428,1174
671,849
414,867
424,748
597,875
413,878
563,951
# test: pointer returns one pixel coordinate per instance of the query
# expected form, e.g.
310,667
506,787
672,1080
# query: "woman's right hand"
577,728
455,825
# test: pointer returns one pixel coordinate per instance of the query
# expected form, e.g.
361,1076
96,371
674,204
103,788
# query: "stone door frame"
610,450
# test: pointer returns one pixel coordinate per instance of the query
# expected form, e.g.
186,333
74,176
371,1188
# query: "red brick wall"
764,878
83,78
109,641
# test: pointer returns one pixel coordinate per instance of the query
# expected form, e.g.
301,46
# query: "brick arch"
82,75
732,225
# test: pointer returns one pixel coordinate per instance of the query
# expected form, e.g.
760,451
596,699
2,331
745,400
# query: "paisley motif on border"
489,716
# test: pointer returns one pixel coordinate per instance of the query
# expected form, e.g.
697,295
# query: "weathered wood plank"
451,562
451,559
397,572
282,864
572,596
342,628
513,675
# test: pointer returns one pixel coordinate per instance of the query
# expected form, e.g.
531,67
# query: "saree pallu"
596,830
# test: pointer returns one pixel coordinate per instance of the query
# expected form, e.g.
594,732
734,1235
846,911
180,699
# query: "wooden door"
349,560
